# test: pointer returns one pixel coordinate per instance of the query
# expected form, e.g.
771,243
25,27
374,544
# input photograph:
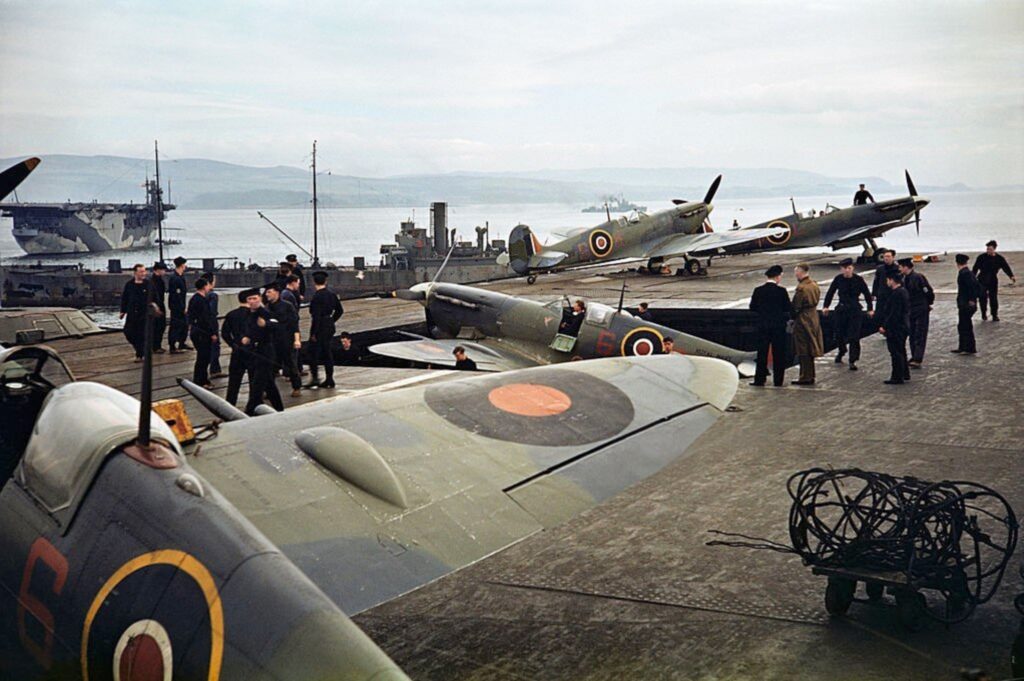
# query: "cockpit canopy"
78,426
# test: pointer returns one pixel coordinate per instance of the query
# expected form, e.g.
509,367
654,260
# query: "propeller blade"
917,221
910,184
712,189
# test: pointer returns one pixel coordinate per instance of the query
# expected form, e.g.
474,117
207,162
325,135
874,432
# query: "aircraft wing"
709,242
377,494
438,352
865,232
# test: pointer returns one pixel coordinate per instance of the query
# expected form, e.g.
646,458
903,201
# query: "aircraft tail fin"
522,246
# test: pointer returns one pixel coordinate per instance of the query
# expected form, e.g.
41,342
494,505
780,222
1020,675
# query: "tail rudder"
522,246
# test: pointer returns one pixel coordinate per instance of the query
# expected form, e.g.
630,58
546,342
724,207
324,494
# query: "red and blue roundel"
642,341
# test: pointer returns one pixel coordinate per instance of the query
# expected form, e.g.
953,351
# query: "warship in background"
56,228
615,204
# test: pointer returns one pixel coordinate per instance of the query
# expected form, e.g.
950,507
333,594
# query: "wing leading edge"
428,479
710,242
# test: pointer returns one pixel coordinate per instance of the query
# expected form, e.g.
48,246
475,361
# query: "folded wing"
375,495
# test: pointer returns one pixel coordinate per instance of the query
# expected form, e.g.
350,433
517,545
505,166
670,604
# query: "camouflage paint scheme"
680,231
503,332
111,559
838,228
107,559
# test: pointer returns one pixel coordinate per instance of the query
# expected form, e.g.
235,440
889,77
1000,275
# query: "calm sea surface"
953,221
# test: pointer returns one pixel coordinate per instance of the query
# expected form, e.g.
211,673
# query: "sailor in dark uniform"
986,269
203,332
862,197
324,310
922,297
771,303
896,327
644,313
133,310
848,315
967,293
286,336
259,340
160,300
348,354
232,331
177,291
299,272
879,289
462,362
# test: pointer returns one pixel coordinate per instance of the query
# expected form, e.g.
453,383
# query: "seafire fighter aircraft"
680,232
836,227
122,559
502,332
15,175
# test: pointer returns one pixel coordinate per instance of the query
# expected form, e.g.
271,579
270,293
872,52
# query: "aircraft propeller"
913,194
712,189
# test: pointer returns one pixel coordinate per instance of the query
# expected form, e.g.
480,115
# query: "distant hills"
206,184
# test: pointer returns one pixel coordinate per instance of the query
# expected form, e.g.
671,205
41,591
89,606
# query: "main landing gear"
692,268
870,254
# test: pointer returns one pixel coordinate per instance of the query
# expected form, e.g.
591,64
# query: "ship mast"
316,250
159,203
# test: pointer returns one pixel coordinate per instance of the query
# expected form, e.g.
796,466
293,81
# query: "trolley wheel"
874,591
839,595
910,609
531,279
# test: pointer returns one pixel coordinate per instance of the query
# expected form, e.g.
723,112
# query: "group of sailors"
262,332
898,305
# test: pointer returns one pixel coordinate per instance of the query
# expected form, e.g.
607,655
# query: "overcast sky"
844,88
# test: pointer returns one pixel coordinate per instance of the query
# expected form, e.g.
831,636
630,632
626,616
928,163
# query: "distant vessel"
615,204
52,228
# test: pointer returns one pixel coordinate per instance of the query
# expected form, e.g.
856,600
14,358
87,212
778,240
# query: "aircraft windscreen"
600,314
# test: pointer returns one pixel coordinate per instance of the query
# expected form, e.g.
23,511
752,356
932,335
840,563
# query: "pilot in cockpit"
572,318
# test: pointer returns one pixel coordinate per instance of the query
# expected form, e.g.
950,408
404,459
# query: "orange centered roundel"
529,399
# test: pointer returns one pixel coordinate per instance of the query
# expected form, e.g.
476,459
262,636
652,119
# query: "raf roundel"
783,238
601,243
144,653
554,407
642,341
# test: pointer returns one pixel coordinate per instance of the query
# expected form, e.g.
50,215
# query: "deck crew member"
967,293
158,270
807,340
133,310
862,197
232,332
922,297
895,326
291,294
879,290
259,340
644,313
203,332
849,315
284,270
177,291
986,269
668,345
771,303
299,272
463,363
287,341
325,310
214,301
348,353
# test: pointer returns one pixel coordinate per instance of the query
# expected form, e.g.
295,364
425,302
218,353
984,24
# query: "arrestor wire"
953,536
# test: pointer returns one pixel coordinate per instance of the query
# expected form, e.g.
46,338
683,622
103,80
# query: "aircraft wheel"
531,279
693,267
654,266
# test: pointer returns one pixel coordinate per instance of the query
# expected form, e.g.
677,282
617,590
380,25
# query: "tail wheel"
531,279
